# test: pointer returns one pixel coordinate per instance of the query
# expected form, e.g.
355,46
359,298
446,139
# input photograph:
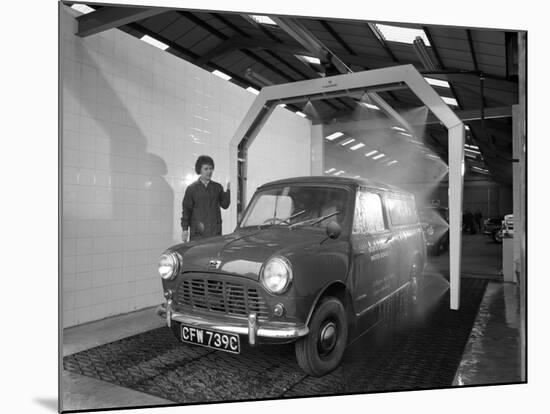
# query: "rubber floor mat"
423,353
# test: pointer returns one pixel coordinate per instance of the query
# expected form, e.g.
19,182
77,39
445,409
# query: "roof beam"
112,17
381,41
337,37
240,42
465,116
296,30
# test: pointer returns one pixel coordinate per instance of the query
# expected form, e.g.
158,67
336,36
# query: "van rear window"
401,211
368,217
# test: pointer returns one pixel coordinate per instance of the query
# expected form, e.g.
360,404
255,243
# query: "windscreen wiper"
314,221
285,220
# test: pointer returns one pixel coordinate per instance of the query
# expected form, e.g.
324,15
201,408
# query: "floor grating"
424,354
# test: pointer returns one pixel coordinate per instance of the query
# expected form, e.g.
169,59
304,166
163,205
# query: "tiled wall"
134,120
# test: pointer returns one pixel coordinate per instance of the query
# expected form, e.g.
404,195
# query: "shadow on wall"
138,190
127,211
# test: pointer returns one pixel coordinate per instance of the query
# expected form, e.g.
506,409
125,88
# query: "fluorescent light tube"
437,82
401,34
332,137
154,42
357,146
348,141
449,101
221,75
262,19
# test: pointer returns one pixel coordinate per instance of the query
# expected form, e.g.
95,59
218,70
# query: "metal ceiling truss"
112,17
295,29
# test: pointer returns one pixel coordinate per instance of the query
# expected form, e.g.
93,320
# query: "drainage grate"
424,355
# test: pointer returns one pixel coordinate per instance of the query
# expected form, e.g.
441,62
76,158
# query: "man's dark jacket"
201,204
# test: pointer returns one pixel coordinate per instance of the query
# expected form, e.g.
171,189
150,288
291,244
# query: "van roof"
328,180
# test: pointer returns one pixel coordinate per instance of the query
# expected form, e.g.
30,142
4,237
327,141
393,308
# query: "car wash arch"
369,82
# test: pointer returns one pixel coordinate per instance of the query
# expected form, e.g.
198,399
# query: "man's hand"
184,235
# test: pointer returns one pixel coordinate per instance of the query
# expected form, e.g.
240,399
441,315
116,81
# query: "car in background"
492,227
435,223
310,258
507,228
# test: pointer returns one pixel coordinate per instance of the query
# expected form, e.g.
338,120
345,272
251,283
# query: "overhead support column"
520,135
317,150
456,183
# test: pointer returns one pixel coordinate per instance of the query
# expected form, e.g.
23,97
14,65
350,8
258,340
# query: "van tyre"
322,349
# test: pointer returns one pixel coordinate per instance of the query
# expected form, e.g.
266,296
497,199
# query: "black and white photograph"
270,206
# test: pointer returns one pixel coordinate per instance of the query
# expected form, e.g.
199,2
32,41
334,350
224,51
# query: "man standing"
478,216
201,203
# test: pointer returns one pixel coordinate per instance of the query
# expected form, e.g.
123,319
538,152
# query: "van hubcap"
327,337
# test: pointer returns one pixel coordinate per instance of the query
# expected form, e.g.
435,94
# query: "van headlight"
276,275
169,264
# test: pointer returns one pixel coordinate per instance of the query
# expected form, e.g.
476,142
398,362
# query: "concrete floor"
81,392
491,354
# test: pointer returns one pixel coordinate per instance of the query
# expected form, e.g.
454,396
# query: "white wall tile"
135,119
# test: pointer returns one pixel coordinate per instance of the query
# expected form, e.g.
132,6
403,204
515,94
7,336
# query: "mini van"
310,258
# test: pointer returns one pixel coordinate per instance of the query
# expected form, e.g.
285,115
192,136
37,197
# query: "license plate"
211,339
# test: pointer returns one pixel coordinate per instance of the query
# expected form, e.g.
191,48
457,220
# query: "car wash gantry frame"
370,81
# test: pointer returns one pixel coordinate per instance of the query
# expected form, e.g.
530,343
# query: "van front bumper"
250,327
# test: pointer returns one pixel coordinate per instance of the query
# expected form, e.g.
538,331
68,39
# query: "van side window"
368,217
401,211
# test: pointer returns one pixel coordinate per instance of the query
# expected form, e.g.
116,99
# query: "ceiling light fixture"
401,34
330,170
339,172
154,42
377,157
262,19
221,75
450,101
309,59
332,137
370,106
368,154
398,128
357,146
348,141
82,8
438,82
254,91
391,163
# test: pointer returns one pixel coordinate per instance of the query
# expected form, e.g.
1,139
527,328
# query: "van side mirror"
333,230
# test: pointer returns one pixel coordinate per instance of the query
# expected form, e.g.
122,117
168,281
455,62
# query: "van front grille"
221,296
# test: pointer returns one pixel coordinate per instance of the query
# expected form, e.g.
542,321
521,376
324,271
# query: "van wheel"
322,349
